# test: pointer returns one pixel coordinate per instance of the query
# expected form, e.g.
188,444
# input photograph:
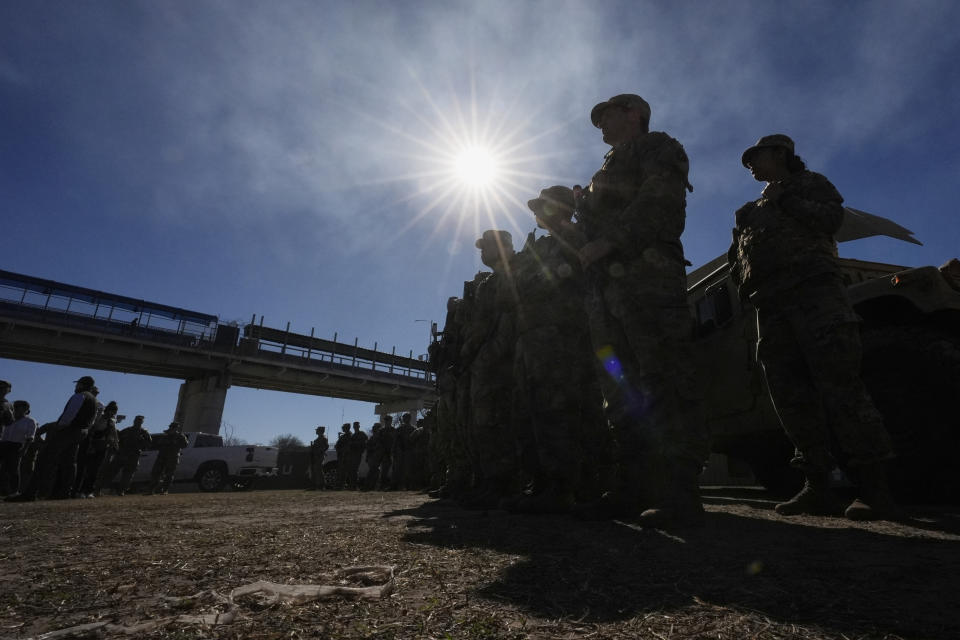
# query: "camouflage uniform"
318,452
639,321
375,452
465,313
357,446
488,348
783,258
132,441
448,450
401,469
388,434
168,458
342,447
556,393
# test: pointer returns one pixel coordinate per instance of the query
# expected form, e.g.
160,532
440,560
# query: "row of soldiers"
396,457
565,376
83,450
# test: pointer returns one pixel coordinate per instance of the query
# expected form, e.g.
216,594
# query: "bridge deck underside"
34,342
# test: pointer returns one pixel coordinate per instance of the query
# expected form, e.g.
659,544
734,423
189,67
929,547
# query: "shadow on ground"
874,578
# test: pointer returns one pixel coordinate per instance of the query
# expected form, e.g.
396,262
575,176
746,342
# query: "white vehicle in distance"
210,464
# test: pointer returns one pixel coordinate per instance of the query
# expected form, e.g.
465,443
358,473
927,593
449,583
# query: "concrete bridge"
56,323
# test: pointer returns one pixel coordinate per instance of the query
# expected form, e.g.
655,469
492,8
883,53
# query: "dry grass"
460,574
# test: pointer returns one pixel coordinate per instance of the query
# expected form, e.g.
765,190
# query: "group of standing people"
83,450
396,457
565,376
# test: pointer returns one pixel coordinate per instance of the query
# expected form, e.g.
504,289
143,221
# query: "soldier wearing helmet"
318,452
168,459
487,351
556,402
783,259
631,216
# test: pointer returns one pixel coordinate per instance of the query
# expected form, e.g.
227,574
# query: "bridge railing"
70,312
48,302
303,347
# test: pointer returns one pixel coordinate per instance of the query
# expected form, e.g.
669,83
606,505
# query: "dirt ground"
140,566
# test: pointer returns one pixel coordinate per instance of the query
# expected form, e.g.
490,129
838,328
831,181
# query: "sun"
471,165
477,167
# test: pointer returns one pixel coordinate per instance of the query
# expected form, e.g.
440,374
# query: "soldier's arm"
814,202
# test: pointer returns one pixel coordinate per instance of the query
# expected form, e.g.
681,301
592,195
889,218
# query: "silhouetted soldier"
632,215
342,447
556,400
318,453
131,443
452,462
783,258
357,446
399,468
488,351
375,454
387,435
101,438
168,459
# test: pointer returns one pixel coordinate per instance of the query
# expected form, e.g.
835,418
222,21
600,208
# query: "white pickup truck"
211,465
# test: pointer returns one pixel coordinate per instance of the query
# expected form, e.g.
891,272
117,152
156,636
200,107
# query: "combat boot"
874,500
492,492
679,504
557,497
814,499
632,495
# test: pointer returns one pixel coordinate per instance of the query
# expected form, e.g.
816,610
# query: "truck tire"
913,375
212,477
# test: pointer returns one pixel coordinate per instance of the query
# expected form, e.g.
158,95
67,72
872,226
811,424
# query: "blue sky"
294,159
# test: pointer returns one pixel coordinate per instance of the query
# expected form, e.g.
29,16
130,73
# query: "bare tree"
287,441
230,439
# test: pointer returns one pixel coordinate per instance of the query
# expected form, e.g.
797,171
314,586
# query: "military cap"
86,381
320,429
497,236
21,404
4,384
773,140
558,195
625,100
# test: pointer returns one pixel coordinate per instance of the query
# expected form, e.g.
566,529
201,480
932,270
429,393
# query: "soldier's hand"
594,250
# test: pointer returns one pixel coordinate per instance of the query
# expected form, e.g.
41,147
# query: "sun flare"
476,167
473,166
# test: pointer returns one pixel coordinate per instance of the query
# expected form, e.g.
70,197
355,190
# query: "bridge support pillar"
200,404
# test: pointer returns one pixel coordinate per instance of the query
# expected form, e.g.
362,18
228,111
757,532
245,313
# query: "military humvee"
911,366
